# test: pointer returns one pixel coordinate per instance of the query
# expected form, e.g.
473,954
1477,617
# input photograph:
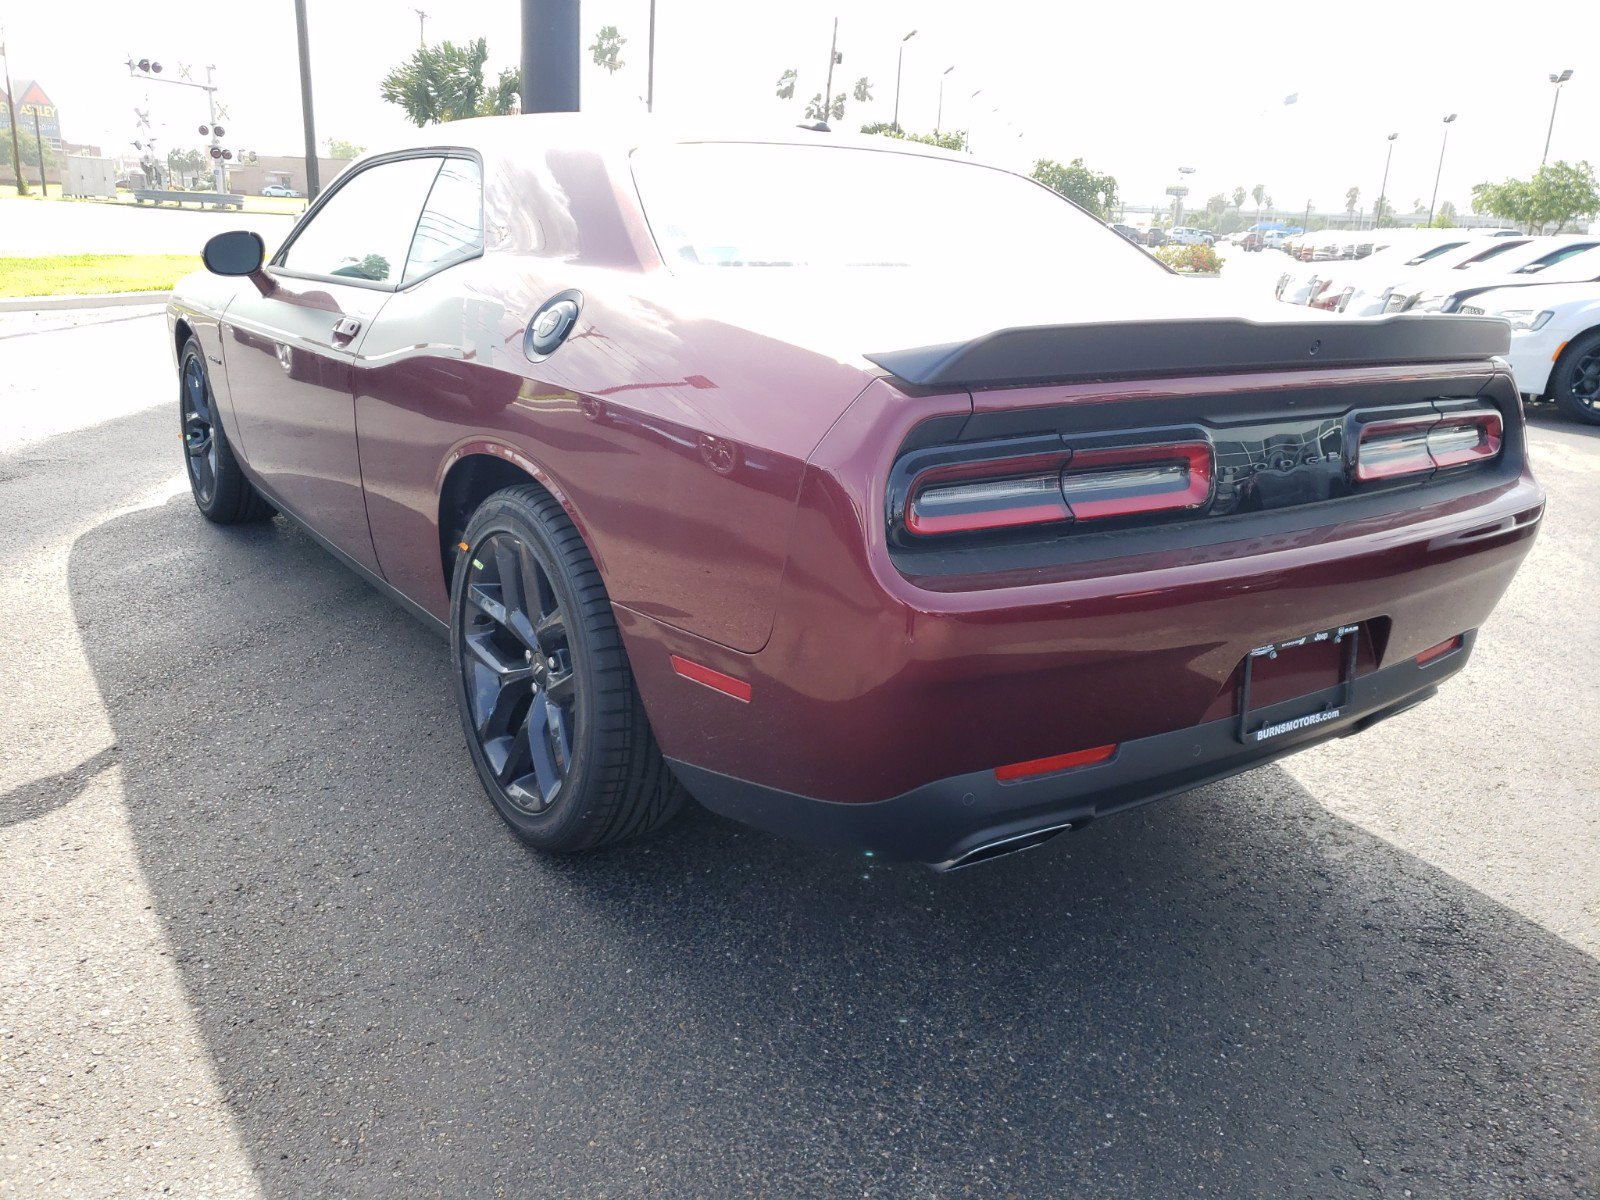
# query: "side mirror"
237,252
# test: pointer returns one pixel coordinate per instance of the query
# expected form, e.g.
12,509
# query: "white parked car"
1479,262
1555,341
1182,235
278,189
1400,251
1578,261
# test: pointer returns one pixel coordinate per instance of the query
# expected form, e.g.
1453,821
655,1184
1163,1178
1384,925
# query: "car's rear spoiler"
1198,346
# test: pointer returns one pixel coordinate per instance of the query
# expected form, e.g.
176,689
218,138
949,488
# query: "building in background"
249,178
31,99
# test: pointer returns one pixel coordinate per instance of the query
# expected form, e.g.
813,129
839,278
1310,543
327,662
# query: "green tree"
1446,218
1239,197
30,149
949,139
1351,199
607,48
1215,207
1089,189
445,83
786,83
339,148
1259,195
1557,193
863,90
816,111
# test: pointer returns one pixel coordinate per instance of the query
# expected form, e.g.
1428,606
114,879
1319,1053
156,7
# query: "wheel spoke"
545,769
488,605
551,631
562,688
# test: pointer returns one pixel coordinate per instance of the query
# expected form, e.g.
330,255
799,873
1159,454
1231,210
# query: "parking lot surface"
262,934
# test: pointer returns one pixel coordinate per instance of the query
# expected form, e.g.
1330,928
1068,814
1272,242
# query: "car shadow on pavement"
1233,993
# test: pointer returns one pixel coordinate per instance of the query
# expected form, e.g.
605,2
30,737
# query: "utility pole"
939,120
549,56
11,108
303,37
833,57
38,140
1383,191
422,24
650,70
1443,142
1558,80
899,61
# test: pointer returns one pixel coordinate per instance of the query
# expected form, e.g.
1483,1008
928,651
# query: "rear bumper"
954,821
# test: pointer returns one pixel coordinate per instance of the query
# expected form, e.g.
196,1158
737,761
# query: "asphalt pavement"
262,934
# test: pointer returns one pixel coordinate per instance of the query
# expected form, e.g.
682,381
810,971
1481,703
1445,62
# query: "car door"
291,345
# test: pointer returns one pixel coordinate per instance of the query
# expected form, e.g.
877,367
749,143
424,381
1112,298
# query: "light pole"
302,37
939,120
650,71
1377,209
1558,80
1443,142
899,61
422,25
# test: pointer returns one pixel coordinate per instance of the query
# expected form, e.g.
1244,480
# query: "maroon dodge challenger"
866,493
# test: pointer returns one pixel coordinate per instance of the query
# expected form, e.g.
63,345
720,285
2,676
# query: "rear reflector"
1439,651
1428,442
1058,762
715,680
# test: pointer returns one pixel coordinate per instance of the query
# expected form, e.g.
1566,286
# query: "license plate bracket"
1254,728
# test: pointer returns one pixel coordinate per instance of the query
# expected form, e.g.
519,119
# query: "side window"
451,227
364,229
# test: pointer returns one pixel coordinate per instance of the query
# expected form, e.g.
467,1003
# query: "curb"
107,300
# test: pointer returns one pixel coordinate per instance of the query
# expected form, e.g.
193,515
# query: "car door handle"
344,329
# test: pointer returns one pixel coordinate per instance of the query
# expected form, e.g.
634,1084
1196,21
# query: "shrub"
1190,258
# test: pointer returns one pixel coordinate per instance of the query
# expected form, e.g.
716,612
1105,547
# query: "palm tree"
1351,199
1239,195
786,83
1259,194
445,83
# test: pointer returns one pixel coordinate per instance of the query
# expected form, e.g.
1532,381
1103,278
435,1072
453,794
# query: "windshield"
763,205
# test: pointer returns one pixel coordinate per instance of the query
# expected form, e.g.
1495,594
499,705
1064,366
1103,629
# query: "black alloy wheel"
522,693
553,720
221,491
199,440
1575,383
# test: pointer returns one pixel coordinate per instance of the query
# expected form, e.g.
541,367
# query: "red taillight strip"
1086,464
1439,651
1035,509
1056,762
715,680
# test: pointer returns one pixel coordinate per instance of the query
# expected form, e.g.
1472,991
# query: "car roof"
610,135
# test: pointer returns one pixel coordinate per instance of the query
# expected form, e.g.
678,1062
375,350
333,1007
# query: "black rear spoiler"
1198,346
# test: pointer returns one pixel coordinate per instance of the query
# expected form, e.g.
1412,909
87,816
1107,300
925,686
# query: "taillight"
1411,445
1085,483
997,494
1122,481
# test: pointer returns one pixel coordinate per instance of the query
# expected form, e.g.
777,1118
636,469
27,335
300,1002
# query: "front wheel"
552,717
221,491
1575,383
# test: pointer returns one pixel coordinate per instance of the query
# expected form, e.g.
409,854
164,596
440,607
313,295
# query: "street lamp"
939,120
1558,80
1383,192
899,61
1443,142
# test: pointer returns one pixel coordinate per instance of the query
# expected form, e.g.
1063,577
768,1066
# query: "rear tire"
1575,382
552,717
217,482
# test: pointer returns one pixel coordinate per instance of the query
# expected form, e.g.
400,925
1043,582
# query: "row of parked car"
1546,287
1176,235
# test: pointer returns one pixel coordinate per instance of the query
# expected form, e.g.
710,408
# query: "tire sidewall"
563,824
1565,372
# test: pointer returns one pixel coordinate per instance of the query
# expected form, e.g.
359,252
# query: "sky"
1136,93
